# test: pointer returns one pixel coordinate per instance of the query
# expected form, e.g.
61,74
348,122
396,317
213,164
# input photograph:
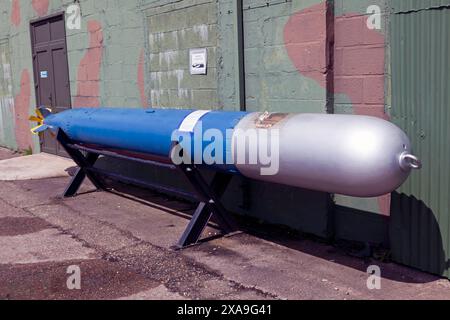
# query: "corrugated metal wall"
420,53
403,6
7,114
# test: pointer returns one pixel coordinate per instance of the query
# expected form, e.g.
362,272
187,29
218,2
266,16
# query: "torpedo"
352,155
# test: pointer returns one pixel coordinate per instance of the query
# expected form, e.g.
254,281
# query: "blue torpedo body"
344,154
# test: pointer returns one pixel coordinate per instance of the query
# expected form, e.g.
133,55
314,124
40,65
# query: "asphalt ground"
122,249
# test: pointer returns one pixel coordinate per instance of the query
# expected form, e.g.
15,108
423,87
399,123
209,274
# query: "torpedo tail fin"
41,114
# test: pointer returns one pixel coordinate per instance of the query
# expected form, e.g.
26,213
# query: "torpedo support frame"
209,209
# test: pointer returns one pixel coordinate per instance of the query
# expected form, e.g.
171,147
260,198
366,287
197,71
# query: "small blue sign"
44,74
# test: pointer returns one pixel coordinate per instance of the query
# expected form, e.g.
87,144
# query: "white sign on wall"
198,61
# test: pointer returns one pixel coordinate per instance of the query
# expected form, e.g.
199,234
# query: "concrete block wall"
285,55
277,79
360,70
273,83
174,29
106,59
135,54
14,31
360,76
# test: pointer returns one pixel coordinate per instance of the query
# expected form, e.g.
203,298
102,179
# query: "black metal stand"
83,162
208,195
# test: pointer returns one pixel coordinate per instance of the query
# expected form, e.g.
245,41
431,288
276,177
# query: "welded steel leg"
83,162
196,226
79,177
210,205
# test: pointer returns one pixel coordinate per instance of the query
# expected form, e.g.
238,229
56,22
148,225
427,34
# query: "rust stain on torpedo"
269,120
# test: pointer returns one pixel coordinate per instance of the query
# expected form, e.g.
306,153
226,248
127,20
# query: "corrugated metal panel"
413,5
420,53
7,135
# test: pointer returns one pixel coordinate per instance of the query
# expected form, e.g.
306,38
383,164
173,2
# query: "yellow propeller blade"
35,119
35,130
39,114
39,118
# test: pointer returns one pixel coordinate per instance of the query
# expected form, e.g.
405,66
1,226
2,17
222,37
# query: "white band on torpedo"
191,120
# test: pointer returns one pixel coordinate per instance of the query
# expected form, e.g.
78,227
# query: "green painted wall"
153,38
135,54
123,48
173,30
18,41
123,41
7,134
273,82
353,96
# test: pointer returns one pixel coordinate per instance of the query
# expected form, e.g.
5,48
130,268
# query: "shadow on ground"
346,253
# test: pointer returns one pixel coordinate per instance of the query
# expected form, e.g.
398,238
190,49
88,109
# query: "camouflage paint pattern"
7,134
135,54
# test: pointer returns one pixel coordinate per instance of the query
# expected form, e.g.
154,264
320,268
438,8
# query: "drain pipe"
241,59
